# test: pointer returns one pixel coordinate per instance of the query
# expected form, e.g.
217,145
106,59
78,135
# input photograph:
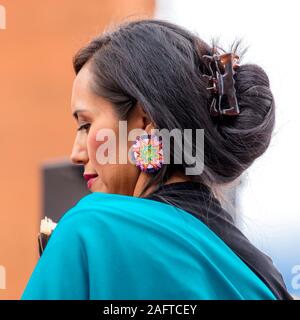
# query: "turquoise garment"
111,246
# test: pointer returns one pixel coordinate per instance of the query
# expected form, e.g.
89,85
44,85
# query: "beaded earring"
147,153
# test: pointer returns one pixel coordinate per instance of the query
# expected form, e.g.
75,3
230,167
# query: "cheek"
93,145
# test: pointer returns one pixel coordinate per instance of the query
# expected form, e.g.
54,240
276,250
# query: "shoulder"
104,207
117,225
103,210
113,216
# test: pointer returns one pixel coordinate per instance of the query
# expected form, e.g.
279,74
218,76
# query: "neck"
144,179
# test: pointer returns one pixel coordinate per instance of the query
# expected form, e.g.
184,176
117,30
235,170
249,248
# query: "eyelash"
85,127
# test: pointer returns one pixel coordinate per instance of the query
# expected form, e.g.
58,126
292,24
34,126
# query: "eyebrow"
75,113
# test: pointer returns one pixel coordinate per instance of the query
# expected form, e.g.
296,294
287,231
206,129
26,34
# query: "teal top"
111,246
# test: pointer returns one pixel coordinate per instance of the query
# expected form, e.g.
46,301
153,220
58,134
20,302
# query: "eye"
85,127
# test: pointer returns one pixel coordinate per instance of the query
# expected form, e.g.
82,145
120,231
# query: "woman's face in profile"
93,114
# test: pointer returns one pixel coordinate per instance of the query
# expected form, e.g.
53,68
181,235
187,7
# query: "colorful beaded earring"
147,153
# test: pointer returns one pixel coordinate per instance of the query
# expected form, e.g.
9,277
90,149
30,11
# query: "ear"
139,119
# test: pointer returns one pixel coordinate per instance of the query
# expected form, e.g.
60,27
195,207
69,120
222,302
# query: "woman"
154,228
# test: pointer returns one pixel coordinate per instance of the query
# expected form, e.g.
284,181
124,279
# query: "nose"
79,154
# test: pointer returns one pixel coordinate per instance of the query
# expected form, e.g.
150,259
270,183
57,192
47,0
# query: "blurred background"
37,42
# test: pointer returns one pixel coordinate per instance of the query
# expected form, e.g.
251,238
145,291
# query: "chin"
99,186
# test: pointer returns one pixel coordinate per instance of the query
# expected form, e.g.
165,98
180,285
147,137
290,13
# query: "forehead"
82,80
81,92
83,98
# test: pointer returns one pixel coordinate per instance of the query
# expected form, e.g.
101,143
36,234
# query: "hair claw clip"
222,82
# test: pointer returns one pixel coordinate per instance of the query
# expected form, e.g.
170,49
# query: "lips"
90,178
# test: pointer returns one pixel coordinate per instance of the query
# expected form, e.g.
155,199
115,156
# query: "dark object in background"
63,186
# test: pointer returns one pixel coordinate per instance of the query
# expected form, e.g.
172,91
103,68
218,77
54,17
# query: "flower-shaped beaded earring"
147,153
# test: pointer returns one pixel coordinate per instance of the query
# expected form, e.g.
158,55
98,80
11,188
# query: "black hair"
159,65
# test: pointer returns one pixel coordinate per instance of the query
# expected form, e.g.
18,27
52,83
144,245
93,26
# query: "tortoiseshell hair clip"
222,68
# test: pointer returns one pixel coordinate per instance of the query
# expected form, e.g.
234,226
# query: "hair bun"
248,135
